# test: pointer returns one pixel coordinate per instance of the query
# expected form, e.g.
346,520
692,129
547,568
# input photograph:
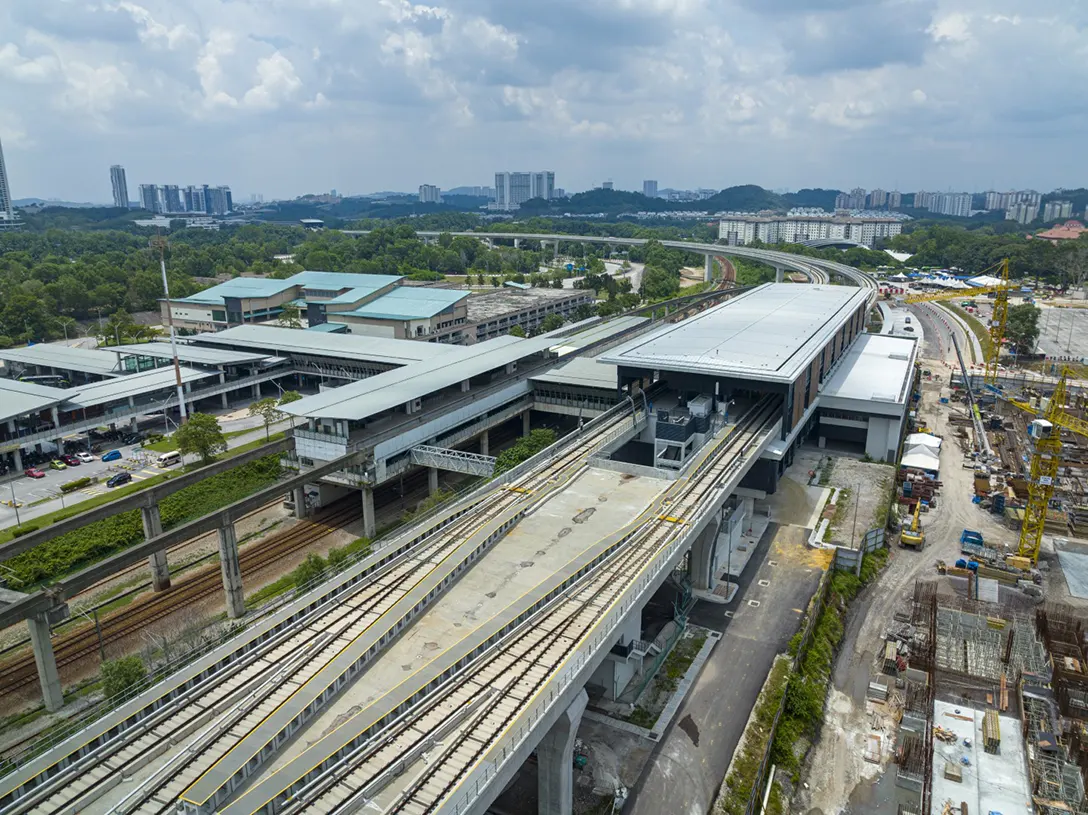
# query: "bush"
309,570
78,484
121,675
19,531
79,548
525,449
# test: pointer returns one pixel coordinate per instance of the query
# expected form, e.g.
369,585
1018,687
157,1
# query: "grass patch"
167,445
977,328
743,774
312,568
826,471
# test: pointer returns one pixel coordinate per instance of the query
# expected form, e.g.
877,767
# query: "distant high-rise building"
895,199
842,201
877,198
1023,212
1058,211
7,212
857,198
149,198
606,185
171,199
120,186
218,200
649,189
514,189
952,203
429,194
193,199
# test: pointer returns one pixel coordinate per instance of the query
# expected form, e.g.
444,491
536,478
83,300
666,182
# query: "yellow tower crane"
1045,433
997,321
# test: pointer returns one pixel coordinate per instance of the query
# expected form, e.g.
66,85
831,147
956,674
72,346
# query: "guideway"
243,711
477,709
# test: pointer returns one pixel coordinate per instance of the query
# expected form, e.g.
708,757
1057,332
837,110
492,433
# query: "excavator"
913,536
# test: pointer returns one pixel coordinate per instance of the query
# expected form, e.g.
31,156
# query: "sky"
285,97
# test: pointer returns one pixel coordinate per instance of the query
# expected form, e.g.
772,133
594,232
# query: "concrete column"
777,274
232,572
160,569
223,399
256,390
555,761
485,443
17,455
556,255
525,424
432,480
46,662
517,243
708,270
702,558
298,495
369,526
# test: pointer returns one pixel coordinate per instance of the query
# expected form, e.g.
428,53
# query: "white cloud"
154,32
277,82
24,69
220,44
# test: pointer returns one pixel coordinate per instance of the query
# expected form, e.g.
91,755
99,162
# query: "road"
40,496
690,761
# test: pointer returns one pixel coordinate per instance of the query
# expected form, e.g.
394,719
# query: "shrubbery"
526,448
78,484
100,539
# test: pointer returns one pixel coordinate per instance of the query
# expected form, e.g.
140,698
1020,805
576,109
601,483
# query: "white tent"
984,280
925,440
921,457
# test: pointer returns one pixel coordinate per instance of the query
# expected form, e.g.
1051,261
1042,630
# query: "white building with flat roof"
740,229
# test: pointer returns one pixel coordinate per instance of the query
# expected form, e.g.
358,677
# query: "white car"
86,458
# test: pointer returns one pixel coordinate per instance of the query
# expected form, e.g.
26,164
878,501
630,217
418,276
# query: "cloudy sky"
283,97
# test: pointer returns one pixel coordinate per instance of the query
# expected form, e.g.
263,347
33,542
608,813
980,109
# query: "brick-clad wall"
814,385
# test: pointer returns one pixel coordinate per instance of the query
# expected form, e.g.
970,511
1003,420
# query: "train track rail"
83,642
463,722
231,704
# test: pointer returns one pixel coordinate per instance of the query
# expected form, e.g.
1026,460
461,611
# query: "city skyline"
704,94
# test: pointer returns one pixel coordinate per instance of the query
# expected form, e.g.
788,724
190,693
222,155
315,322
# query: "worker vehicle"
913,536
169,459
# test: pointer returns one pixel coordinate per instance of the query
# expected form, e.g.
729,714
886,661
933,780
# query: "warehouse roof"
878,368
243,287
359,286
377,394
317,343
20,398
189,353
64,357
409,303
770,333
112,390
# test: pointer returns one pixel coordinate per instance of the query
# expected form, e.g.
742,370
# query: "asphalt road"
690,761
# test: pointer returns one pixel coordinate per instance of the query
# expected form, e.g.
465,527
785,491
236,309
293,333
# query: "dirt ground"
836,765
858,508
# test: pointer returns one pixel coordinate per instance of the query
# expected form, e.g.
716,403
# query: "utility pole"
159,242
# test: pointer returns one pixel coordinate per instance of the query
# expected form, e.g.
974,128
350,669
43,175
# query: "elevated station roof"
408,303
190,353
112,390
64,358
245,288
584,372
876,369
596,333
22,398
271,339
376,394
770,333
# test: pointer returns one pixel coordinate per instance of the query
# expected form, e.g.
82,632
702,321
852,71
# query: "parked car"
112,455
33,472
57,464
132,438
119,479
71,461
86,458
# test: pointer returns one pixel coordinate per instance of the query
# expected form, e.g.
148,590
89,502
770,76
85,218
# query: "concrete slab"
590,508
990,782
1073,558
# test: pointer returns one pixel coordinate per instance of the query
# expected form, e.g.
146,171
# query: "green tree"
269,411
290,316
1022,327
659,284
583,312
122,675
201,435
290,396
309,570
516,331
551,323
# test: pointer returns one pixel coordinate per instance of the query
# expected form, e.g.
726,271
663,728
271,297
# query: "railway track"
83,642
464,721
233,703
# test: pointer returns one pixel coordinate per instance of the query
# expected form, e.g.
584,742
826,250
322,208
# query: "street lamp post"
14,502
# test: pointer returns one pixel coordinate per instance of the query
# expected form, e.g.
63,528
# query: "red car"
33,472
71,461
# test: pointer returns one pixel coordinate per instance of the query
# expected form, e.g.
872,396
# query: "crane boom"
982,444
